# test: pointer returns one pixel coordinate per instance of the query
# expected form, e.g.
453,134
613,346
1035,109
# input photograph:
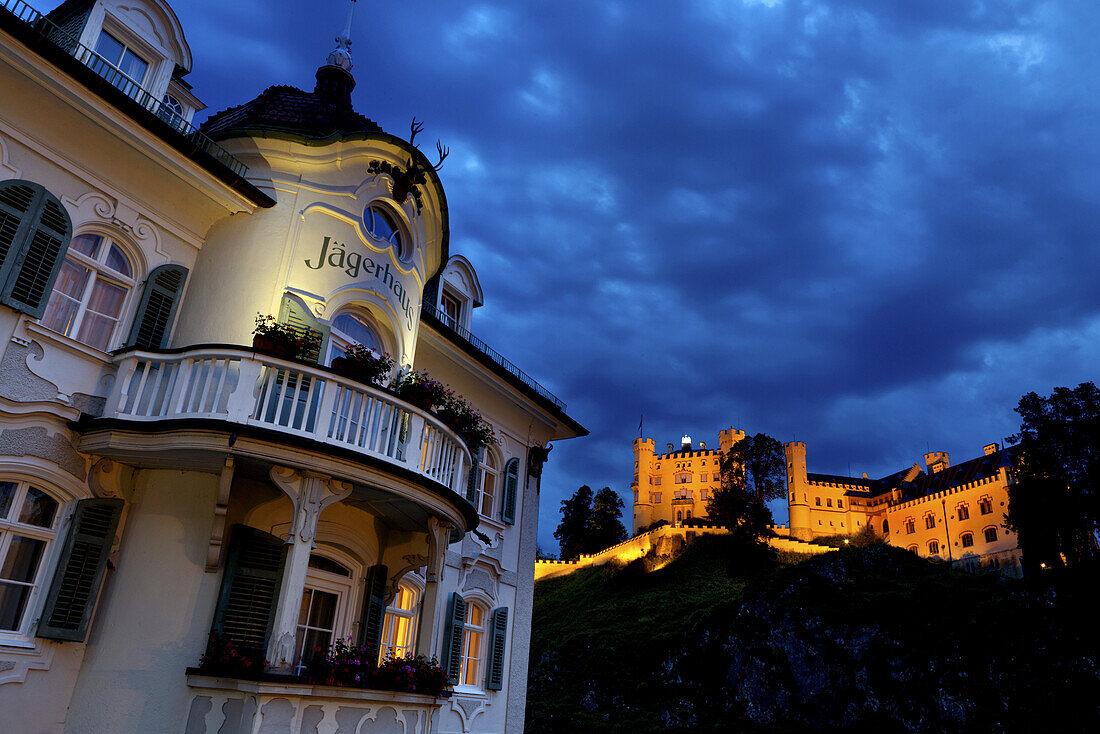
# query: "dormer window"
451,308
118,55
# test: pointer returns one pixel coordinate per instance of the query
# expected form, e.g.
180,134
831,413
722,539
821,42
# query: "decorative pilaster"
429,632
310,493
221,505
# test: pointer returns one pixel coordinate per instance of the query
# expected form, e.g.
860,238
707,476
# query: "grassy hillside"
866,639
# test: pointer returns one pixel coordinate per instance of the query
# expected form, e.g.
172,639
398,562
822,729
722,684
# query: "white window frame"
346,588
482,646
487,474
416,587
339,340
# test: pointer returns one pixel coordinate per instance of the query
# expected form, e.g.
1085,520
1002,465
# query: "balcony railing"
71,45
493,355
683,500
240,386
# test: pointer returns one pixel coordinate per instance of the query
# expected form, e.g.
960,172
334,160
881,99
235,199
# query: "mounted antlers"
408,181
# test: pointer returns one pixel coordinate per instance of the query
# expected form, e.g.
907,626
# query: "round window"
382,225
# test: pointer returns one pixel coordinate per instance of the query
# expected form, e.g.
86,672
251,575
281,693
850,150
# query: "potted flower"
461,417
353,666
281,339
421,390
224,657
364,365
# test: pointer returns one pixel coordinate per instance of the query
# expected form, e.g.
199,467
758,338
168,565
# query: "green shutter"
153,322
471,478
452,645
511,483
250,587
33,247
292,312
498,631
80,571
374,610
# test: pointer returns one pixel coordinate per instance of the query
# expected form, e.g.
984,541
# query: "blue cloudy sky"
869,225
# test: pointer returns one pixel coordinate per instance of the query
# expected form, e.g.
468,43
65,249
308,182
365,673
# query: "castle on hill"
933,509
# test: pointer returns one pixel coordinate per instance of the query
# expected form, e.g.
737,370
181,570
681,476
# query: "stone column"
429,635
311,493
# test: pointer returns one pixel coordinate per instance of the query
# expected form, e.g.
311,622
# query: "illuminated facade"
937,510
161,479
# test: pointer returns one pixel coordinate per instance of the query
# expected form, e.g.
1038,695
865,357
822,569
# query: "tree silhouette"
590,523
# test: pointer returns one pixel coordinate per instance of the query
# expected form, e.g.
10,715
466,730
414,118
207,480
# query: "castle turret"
937,461
644,454
728,437
798,501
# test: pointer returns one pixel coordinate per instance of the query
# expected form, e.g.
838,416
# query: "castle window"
792,496
910,526
683,478
912,549
964,512
967,539
829,502
688,514
679,516
703,495
840,503
656,480
985,506
934,548
635,496
702,477
655,498
929,521
90,292
817,501
991,535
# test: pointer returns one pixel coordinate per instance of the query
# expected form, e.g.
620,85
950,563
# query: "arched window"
28,516
885,526
352,327
990,535
90,292
399,626
679,516
323,613
487,487
934,548
383,225
967,540
473,636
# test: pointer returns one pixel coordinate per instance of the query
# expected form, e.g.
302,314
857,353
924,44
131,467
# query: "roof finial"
341,55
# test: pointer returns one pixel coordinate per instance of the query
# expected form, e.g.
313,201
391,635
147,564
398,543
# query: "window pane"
104,306
109,48
86,244
21,563
473,615
118,261
7,494
380,223
358,330
65,299
12,600
133,66
323,613
38,509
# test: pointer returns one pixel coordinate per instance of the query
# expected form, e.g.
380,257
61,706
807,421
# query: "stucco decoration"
19,382
196,717
15,663
35,441
89,404
277,715
480,579
111,217
468,708
7,170
217,528
412,563
536,458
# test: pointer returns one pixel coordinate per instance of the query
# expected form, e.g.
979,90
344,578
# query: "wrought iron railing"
70,44
492,354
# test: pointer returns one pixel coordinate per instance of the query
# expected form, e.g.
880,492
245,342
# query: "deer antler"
443,151
415,128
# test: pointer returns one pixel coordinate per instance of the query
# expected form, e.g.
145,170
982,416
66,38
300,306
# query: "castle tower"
644,454
728,437
798,504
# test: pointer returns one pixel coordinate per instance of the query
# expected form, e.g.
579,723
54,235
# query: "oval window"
383,226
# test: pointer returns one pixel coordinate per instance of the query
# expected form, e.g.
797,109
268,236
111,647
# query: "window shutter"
80,571
250,587
511,482
33,248
499,635
294,313
452,647
471,478
153,321
374,610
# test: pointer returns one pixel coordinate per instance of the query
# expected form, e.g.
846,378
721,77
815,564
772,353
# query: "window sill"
19,642
291,688
67,343
471,692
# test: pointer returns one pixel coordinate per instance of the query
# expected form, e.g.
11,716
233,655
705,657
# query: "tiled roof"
322,114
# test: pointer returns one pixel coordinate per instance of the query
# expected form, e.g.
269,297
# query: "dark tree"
1054,506
736,505
606,527
761,462
573,529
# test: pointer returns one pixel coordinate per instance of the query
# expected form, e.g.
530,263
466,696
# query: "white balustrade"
240,386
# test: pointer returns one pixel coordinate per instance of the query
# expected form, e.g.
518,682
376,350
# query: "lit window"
399,624
472,633
27,518
655,498
967,540
964,512
702,477
683,478
487,484
985,506
656,480
703,495
934,548
90,292
352,327
382,226
991,535
122,58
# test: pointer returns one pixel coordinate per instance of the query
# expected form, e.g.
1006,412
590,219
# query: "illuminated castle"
955,513
163,477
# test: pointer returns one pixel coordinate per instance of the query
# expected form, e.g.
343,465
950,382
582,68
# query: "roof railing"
71,45
492,354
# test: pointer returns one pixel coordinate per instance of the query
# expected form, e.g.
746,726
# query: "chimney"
669,447
937,461
991,449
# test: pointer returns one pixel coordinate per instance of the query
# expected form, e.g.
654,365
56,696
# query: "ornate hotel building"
955,513
161,479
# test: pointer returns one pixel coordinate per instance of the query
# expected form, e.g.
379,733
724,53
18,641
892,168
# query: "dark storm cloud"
869,224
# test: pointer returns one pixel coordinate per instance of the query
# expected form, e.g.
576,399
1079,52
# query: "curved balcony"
240,386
